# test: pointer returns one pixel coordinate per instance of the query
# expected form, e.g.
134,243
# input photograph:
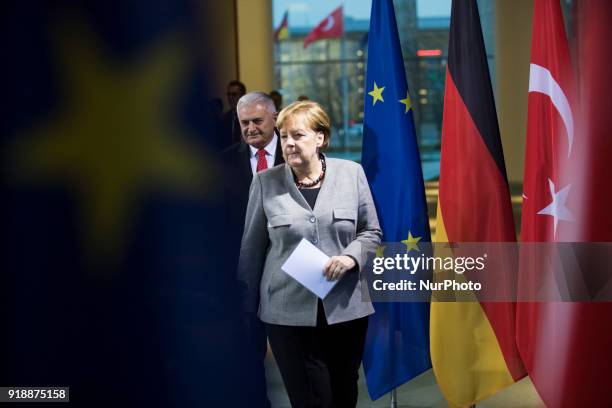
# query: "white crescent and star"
329,23
541,80
557,208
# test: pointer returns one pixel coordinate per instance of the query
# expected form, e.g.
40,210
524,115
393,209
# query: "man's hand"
337,266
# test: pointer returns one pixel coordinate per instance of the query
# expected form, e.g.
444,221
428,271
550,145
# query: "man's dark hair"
238,84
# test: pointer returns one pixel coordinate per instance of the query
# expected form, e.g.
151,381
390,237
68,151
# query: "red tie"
262,163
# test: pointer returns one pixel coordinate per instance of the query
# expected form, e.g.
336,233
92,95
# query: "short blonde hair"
314,115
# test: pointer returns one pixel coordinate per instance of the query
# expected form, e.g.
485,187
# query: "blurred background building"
317,71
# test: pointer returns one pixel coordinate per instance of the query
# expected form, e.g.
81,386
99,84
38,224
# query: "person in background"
259,150
229,125
215,113
277,98
317,343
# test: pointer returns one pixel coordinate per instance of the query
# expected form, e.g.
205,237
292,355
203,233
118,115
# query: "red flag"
566,346
595,59
331,27
550,126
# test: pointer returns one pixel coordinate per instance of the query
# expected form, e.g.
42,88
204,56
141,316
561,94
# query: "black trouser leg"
320,365
301,362
346,342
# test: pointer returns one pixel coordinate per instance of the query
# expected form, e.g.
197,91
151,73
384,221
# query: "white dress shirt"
270,149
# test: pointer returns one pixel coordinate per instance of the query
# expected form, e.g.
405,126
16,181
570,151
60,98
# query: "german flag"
282,32
473,346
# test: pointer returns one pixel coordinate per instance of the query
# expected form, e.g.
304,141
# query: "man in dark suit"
260,149
229,124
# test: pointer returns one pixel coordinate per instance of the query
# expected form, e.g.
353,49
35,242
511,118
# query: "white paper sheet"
305,264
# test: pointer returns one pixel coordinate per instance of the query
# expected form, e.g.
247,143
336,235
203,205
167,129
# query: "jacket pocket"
279,220
345,214
345,225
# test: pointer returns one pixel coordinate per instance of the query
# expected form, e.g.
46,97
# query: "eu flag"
115,280
397,345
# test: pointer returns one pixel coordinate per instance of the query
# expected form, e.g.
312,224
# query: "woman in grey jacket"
318,344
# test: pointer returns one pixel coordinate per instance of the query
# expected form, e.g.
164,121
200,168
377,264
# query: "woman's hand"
337,266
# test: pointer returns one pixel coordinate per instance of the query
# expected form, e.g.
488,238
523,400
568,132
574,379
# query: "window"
332,71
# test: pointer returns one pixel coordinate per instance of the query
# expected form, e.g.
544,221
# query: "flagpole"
343,72
276,55
330,77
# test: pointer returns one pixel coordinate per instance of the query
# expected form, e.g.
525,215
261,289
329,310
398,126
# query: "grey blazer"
343,222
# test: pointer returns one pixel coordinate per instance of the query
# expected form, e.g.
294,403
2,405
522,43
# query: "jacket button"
314,240
312,219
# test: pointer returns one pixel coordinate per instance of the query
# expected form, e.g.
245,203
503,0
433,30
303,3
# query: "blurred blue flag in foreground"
115,280
397,345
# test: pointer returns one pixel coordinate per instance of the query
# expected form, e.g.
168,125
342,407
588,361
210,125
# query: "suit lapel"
245,158
245,162
293,190
327,188
278,156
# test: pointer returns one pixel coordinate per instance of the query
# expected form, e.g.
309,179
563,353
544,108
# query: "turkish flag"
566,346
332,26
551,118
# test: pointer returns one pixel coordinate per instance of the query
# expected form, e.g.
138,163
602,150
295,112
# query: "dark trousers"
319,365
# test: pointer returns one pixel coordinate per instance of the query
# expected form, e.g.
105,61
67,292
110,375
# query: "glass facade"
323,72
332,71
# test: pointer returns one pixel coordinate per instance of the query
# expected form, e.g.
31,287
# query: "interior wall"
255,44
513,47
222,53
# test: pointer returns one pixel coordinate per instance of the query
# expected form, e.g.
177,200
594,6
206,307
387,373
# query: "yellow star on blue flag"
411,242
114,138
376,94
406,101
